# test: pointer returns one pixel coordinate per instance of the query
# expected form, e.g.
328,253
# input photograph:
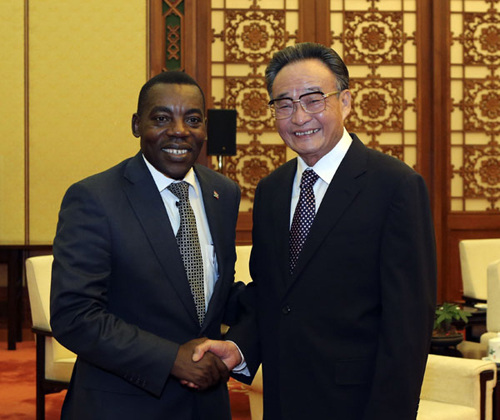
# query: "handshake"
203,363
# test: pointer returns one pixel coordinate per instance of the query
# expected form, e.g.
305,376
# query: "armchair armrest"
41,331
457,381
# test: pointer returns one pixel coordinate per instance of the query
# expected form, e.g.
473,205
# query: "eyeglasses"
312,103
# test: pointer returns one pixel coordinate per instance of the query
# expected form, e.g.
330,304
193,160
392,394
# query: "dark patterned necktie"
303,216
189,246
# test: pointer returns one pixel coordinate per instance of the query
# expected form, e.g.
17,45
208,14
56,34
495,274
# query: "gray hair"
305,51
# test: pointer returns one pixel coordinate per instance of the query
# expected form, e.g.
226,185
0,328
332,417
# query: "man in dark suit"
341,322
121,298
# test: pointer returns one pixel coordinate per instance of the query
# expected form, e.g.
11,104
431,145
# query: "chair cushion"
433,410
60,370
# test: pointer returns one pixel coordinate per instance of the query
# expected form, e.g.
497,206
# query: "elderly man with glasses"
340,311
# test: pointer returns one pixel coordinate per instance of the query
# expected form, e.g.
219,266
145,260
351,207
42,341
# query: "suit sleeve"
408,296
80,315
245,332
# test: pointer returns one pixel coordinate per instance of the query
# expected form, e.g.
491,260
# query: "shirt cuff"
242,367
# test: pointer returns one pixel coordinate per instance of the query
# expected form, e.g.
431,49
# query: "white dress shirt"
210,267
325,168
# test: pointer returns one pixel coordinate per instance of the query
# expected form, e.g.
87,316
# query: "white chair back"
59,360
38,276
475,255
493,313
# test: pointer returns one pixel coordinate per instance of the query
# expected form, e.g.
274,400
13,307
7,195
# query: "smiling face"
172,128
312,136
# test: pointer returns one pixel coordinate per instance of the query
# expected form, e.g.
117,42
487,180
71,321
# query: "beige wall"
86,64
12,122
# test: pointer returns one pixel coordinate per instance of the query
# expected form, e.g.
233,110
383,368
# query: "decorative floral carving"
481,173
490,105
489,171
255,104
249,97
378,105
373,104
251,36
254,36
490,39
481,105
481,38
254,170
373,37
252,162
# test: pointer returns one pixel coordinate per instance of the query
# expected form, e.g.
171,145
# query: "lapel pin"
216,194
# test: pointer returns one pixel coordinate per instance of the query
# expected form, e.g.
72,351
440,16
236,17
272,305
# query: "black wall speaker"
221,132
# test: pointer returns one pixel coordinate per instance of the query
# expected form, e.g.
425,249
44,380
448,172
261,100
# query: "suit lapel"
280,211
148,206
344,187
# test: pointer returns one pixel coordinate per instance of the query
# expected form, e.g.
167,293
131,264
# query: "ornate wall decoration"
474,149
481,173
481,105
377,43
244,39
249,97
481,37
251,36
373,37
378,106
252,163
173,16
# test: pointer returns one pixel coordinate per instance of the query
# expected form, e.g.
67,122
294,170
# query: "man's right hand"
206,372
226,350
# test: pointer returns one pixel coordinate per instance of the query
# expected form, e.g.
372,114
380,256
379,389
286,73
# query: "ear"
135,125
345,102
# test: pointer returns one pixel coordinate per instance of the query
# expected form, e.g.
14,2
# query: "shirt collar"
328,164
162,181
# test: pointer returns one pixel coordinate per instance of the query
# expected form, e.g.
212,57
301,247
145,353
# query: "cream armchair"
493,313
54,363
475,255
457,389
453,389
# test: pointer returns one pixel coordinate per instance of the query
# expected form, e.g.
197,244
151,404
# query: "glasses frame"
299,100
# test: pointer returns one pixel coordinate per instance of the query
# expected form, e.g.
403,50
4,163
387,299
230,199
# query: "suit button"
285,310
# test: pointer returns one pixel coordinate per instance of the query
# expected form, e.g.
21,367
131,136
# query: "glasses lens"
313,102
283,107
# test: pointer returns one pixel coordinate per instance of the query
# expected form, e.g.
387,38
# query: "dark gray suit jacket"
347,336
120,297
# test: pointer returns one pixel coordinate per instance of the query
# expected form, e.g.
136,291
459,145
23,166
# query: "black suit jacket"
347,336
121,300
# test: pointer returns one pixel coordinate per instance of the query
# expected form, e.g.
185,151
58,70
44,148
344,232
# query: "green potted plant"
449,318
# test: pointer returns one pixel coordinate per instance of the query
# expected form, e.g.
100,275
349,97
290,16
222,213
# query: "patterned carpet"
17,388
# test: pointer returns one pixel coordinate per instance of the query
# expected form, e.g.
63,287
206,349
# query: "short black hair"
170,78
305,51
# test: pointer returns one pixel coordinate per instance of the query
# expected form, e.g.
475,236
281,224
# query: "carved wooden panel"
474,162
377,41
167,35
245,35
425,80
